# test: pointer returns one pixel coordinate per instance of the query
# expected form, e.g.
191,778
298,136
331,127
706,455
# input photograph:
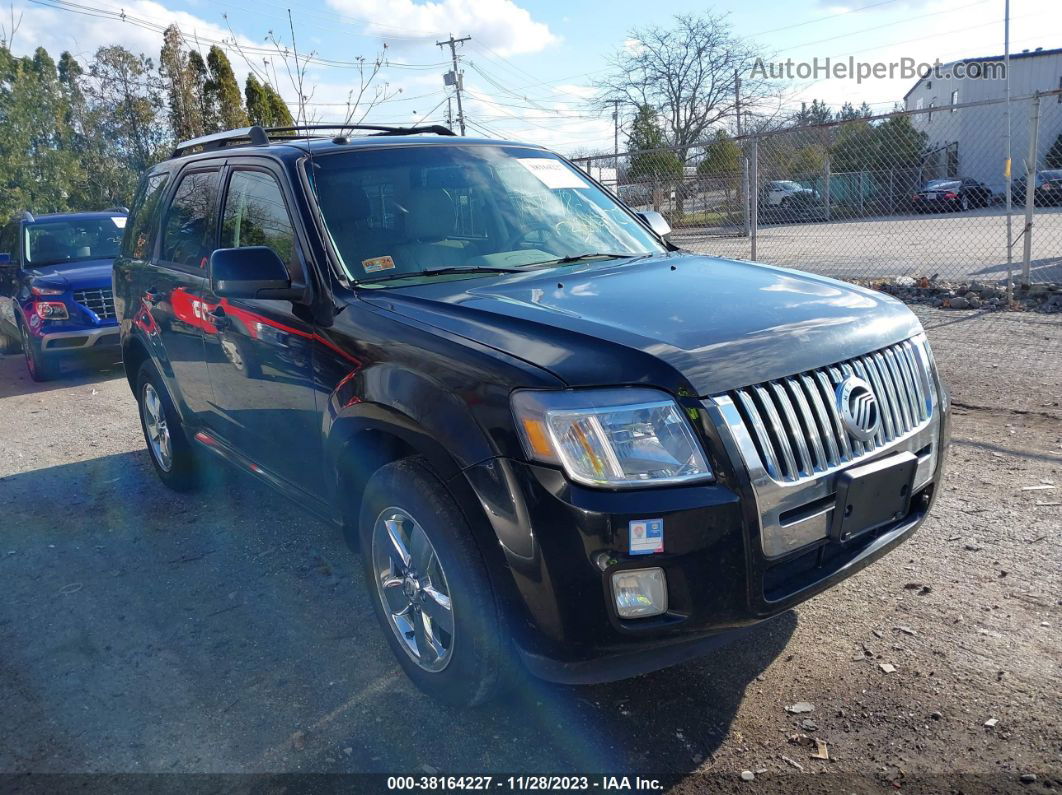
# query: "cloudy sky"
530,66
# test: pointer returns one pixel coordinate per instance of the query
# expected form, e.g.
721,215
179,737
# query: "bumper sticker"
646,536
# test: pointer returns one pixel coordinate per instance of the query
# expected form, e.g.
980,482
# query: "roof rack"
260,136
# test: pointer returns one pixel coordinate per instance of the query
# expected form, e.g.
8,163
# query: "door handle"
152,296
218,319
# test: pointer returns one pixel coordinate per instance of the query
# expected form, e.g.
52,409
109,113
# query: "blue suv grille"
100,301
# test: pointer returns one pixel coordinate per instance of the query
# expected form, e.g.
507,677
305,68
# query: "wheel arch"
134,354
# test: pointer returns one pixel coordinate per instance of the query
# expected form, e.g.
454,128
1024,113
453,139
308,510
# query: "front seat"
347,211
430,220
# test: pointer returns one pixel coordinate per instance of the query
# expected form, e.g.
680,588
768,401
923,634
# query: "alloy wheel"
158,431
412,588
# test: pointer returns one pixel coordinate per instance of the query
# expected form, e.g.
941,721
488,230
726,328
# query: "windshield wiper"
588,255
440,272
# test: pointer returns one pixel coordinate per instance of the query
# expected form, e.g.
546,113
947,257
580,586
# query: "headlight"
610,437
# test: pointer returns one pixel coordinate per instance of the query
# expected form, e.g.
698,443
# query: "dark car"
1046,193
561,444
951,195
55,289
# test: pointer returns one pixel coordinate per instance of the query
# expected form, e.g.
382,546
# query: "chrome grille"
99,301
795,425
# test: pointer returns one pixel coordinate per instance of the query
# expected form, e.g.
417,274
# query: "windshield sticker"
552,173
378,264
119,221
646,536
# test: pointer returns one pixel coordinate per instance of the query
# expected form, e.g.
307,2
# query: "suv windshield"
409,209
72,239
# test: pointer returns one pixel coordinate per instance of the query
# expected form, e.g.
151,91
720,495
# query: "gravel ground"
959,246
147,632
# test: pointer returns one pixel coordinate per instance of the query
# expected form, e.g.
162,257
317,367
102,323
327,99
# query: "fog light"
640,593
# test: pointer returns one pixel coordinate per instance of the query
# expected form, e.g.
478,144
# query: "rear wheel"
39,366
429,586
171,452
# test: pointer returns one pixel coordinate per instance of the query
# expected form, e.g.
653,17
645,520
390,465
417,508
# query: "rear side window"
256,214
188,229
139,240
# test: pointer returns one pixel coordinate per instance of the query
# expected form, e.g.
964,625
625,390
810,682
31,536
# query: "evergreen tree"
264,105
722,157
280,115
197,76
185,107
660,169
223,93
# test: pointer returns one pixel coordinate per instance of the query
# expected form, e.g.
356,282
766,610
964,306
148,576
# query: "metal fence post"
1030,189
826,165
746,208
754,196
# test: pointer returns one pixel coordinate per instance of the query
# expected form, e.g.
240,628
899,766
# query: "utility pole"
454,77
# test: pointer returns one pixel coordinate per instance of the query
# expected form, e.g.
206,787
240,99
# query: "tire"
40,367
179,469
470,664
964,203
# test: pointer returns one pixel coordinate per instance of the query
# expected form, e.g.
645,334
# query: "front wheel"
39,366
429,586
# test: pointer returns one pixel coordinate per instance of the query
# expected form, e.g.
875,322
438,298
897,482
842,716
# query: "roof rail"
118,208
254,135
261,136
379,129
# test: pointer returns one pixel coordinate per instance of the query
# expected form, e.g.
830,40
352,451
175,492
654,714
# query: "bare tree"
687,74
361,98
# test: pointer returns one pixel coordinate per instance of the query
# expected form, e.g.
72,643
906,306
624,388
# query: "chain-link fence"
911,202
913,194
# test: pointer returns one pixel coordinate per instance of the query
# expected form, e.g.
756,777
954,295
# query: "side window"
188,229
256,214
139,239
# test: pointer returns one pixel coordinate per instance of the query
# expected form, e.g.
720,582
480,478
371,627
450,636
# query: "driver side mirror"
656,222
251,272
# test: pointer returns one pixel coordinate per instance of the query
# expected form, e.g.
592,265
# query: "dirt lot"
146,632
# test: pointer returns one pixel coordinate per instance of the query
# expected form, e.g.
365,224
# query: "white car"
785,192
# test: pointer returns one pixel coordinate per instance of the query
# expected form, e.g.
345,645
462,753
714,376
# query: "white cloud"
500,25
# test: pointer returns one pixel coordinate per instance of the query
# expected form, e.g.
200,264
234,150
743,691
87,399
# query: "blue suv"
56,300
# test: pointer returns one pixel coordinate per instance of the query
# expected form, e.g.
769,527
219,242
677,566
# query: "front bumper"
92,340
562,543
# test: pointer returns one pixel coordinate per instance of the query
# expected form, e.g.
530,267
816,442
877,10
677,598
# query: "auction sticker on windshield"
553,173
377,264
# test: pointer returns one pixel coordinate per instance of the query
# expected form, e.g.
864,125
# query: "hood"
81,275
719,323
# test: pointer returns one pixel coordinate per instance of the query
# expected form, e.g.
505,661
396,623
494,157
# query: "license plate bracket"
873,495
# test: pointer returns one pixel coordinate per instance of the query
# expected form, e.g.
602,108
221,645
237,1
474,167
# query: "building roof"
1014,56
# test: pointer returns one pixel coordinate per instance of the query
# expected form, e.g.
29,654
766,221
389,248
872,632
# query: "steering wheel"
519,240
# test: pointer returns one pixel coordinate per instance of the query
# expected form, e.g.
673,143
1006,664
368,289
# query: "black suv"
560,443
